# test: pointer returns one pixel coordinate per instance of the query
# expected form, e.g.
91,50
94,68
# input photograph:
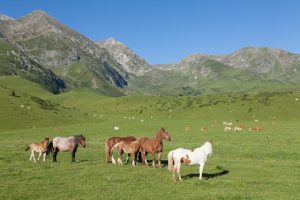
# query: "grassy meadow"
245,165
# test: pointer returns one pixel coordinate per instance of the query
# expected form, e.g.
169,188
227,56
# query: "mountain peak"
38,12
6,18
131,62
112,41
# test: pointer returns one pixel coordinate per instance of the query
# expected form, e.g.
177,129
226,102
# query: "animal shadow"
206,175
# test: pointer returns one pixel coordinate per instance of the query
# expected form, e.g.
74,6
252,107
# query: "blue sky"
165,31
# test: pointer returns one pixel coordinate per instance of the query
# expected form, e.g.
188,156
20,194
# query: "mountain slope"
131,62
59,48
15,62
112,68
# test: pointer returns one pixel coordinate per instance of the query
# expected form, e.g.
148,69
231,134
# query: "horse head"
82,141
163,134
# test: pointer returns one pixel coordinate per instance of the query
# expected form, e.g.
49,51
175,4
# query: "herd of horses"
136,148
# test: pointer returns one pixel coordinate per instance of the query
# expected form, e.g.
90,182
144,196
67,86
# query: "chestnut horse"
111,142
131,148
153,146
66,144
41,148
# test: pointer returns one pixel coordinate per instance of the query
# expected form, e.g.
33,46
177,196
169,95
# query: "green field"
244,165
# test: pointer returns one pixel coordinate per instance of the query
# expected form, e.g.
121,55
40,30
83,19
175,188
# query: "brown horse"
130,148
153,146
40,148
111,142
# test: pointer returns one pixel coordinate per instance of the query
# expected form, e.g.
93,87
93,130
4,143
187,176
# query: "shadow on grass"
206,175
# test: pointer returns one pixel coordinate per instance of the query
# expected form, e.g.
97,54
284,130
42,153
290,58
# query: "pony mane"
78,137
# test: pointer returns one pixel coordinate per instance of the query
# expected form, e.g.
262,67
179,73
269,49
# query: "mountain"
70,55
39,43
15,62
245,70
131,62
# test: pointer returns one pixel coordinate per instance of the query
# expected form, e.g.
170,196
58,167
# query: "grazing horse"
130,148
153,146
111,142
66,144
40,148
196,157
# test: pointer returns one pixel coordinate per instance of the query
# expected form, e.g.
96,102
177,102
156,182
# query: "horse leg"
112,159
40,153
44,157
201,170
32,154
30,157
73,154
178,171
56,150
120,162
153,161
159,158
127,158
144,159
133,158
120,153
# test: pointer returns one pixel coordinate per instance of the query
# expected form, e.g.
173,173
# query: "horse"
186,156
153,146
130,148
40,148
109,144
237,129
66,144
227,128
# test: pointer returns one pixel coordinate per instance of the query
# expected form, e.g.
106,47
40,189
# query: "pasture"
244,165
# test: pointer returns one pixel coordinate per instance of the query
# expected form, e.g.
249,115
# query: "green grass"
261,165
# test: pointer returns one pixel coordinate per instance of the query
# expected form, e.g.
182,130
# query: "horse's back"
62,143
118,139
180,152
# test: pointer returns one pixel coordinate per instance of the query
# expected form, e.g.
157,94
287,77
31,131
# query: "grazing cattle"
196,157
111,142
116,128
40,148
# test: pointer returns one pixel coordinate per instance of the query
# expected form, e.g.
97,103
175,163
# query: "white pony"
196,157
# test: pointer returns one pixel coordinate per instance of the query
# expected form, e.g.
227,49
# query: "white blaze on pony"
186,156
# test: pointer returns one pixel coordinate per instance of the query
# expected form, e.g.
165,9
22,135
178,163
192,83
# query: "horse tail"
107,150
170,161
27,148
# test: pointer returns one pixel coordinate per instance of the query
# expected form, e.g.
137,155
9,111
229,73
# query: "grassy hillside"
245,165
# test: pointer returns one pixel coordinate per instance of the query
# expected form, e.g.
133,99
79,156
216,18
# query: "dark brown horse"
111,142
153,146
